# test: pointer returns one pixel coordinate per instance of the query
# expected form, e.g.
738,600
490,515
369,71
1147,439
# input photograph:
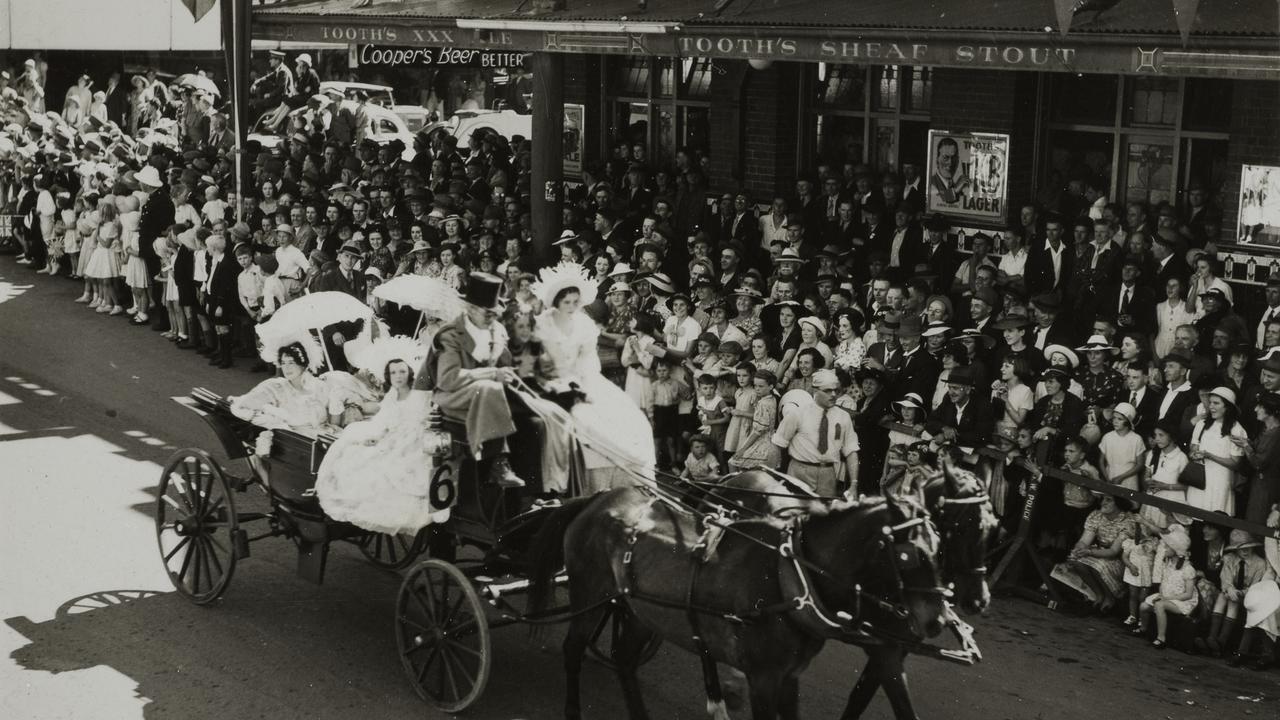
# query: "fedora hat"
789,255
1049,302
1013,321
351,249
484,291
1242,539
962,375
1270,362
909,326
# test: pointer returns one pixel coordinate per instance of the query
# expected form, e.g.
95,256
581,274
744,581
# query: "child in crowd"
910,412
68,214
1120,450
1139,556
135,271
741,409
86,227
1165,461
214,209
166,250
104,266
665,393
639,351
1176,577
1077,499
701,464
58,242
273,292
1242,567
249,284
706,358
713,413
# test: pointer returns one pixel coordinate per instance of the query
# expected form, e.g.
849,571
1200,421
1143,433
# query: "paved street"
92,629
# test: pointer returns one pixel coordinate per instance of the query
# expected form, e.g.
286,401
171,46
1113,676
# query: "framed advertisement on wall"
969,175
1259,218
574,139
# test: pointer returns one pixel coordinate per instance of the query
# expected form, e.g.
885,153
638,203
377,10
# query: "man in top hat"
964,417
467,371
820,440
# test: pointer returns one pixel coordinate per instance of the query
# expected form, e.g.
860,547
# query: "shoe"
117,310
95,303
184,343
168,336
1138,630
141,318
500,472
1131,621
1158,644
83,298
132,311
21,258
24,261
103,308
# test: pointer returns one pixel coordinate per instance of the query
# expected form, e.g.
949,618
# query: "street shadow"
281,647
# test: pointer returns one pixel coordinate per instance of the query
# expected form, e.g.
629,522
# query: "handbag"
1193,474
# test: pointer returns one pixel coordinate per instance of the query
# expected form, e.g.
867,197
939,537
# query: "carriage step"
240,543
492,589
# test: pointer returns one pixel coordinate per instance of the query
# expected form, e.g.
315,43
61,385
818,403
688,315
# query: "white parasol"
374,356
299,318
432,297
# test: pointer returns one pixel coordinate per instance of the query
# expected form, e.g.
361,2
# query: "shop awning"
1238,38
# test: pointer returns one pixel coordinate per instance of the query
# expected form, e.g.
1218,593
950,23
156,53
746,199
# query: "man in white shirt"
820,440
293,263
1013,264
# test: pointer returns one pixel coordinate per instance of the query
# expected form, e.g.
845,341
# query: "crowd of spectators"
1102,340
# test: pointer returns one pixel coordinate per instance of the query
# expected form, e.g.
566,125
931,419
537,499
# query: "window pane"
885,145
1084,99
1207,104
840,139
695,77
630,76
1078,155
666,77
841,85
919,95
666,135
886,96
633,122
1152,101
696,124
1148,175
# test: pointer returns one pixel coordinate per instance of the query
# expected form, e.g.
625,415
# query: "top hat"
484,291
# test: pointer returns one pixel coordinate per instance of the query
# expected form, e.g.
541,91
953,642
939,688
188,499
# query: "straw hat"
1098,343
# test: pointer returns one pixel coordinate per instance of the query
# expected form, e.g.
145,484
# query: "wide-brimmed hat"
1177,540
1270,362
149,176
869,373
748,292
962,375
619,286
621,269
678,296
1068,353
815,323
1098,343
1226,394
789,255
1261,602
565,238
978,336
910,400
659,281
484,291
1242,539
935,328
1013,321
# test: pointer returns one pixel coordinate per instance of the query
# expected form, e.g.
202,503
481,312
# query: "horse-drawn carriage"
446,606
499,543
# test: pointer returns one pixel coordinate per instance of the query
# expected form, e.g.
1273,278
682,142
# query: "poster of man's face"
967,175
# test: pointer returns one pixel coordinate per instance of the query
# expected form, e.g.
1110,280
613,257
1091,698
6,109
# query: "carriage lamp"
436,440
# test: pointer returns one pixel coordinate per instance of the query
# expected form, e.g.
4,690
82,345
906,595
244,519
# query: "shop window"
1153,101
842,85
695,124
1208,105
631,77
696,77
1084,99
1148,170
869,114
667,77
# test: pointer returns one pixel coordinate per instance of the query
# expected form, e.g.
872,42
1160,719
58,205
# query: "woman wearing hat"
616,434
1218,441
1056,417
1263,454
615,331
812,330
1103,386
747,302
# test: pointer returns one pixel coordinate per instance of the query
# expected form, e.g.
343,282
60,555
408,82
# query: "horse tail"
547,553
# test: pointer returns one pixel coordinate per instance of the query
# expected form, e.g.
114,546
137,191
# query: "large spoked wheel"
443,636
393,552
195,526
605,636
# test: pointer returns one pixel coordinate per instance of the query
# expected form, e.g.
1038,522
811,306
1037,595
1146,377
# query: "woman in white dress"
616,436
1211,444
377,474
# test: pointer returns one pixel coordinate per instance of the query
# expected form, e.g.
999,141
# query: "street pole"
547,183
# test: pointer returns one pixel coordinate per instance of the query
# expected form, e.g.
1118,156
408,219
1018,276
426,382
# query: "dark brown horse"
764,601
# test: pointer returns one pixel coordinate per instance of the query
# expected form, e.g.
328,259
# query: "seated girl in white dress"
377,475
616,436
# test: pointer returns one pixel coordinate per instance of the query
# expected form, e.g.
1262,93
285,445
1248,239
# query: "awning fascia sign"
1245,58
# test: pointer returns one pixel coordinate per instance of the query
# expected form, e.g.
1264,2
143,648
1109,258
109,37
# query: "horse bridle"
982,498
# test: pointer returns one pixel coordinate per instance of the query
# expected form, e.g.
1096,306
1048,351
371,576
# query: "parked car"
378,94
384,126
463,123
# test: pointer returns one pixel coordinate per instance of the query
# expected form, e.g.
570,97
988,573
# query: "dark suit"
156,217
873,441
1184,400
942,260
223,293
1148,408
880,353
1138,314
973,428
1058,334
1039,273
917,373
1160,276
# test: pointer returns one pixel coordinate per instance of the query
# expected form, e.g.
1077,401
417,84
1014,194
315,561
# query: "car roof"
354,85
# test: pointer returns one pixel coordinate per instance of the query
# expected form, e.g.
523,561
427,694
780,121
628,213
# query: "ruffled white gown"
616,436
377,475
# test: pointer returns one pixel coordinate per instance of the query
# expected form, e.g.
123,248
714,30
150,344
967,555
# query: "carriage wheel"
443,635
196,525
393,552
605,636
